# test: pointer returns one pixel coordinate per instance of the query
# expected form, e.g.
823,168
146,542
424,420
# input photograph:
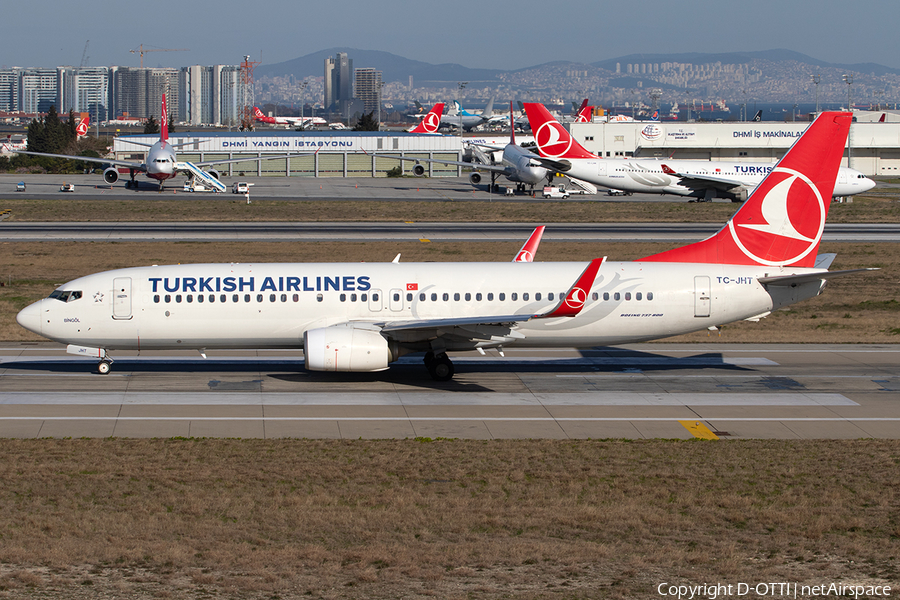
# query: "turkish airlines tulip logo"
576,298
788,224
525,256
553,140
431,122
82,128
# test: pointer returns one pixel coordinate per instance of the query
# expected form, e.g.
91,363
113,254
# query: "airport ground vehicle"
551,191
240,187
67,187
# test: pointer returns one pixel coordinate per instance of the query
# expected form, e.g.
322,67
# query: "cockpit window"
65,295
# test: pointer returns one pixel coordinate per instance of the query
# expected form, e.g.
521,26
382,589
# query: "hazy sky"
503,34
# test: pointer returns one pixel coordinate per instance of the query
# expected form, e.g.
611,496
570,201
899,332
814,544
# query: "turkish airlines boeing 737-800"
362,316
704,180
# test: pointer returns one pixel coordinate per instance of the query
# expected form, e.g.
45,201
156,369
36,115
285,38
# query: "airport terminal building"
323,153
873,148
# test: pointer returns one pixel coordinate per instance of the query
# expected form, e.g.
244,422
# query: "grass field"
871,208
440,519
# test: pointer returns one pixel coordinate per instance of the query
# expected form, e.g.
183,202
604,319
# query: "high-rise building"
338,81
38,89
368,88
9,90
209,95
138,92
84,89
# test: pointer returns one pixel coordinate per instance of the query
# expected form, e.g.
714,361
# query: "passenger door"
122,298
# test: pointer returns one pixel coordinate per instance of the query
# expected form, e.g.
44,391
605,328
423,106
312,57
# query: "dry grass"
881,208
853,309
447,519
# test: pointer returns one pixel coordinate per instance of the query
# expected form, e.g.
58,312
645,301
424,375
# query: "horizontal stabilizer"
808,277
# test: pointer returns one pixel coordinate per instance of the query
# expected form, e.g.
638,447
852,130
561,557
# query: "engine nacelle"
214,173
346,348
111,175
419,170
474,177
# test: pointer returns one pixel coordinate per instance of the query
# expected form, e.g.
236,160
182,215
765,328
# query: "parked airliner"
362,316
297,122
704,180
161,163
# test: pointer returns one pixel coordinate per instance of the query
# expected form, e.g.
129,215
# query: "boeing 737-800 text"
361,316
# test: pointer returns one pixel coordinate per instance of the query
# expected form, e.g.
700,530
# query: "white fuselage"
161,161
647,176
519,166
272,305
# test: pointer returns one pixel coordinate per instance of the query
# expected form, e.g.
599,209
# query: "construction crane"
84,56
141,51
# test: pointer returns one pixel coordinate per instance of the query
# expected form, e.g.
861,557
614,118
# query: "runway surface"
435,232
728,391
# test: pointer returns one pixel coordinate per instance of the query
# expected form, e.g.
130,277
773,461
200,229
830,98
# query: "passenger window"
525,296
422,297
190,298
296,298
446,297
490,296
637,296
468,297
434,297
234,298
605,296
550,297
168,298
319,297
456,297
649,296
501,296
595,296
284,297
343,297
514,296
617,296
409,297
478,297
177,297
271,297
246,297
352,297
259,297
212,297
628,295
537,296
374,297
363,297
396,297
156,299
200,298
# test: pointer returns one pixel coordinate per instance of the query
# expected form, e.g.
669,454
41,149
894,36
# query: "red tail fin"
512,127
83,125
526,253
431,122
552,139
164,123
782,221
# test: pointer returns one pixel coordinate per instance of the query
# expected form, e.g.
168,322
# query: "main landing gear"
439,366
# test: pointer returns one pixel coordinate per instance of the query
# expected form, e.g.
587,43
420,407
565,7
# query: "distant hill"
392,67
730,58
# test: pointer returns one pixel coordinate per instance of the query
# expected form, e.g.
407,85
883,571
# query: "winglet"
574,301
526,253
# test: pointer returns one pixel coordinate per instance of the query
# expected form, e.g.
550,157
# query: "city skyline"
501,35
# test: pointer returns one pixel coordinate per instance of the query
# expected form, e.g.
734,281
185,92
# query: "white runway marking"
424,399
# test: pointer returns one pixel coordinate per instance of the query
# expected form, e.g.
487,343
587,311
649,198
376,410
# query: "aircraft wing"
467,165
225,161
496,328
703,181
106,161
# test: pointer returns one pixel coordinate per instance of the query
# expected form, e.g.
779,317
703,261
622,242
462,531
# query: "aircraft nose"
31,317
868,185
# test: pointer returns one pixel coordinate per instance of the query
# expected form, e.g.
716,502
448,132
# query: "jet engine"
111,175
214,173
418,170
474,177
347,348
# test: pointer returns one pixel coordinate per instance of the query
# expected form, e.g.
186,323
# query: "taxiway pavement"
729,391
